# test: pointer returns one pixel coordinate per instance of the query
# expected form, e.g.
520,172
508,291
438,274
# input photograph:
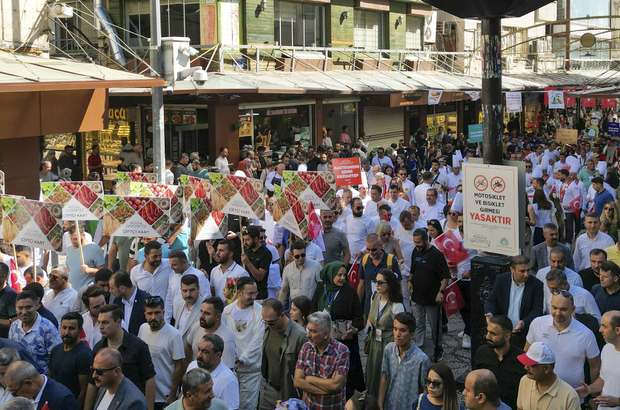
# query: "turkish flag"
354,275
14,281
451,247
453,300
575,205
588,102
315,224
608,103
45,407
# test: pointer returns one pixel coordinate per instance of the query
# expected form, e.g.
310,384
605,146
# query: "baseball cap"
538,353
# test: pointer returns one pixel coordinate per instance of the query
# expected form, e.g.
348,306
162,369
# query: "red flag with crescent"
451,247
354,274
14,277
575,205
453,299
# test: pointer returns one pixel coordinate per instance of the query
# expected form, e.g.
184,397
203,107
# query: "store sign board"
174,192
312,186
556,99
204,223
434,96
245,126
136,216
290,211
32,223
514,102
565,135
475,133
117,114
347,171
237,195
282,111
124,180
490,212
80,201
613,128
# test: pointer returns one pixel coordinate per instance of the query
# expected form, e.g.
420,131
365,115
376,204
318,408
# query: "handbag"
340,327
367,342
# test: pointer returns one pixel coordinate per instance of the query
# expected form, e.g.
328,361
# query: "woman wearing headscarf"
337,297
65,175
244,166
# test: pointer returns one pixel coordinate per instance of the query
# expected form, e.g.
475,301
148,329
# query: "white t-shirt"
165,345
218,278
610,372
242,317
104,404
228,356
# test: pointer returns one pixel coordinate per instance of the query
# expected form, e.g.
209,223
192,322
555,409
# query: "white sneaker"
466,342
461,333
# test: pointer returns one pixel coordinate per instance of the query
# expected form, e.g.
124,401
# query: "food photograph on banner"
238,196
80,201
32,223
123,184
136,216
290,212
174,192
204,223
317,187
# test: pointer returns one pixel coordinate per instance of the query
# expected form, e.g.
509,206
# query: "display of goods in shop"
317,187
136,216
290,211
32,223
237,195
80,201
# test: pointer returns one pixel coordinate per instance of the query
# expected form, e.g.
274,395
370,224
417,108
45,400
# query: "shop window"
179,18
368,29
299,24
288,126
413,35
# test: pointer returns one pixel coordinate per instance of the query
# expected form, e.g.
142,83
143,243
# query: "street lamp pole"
492,107
157,94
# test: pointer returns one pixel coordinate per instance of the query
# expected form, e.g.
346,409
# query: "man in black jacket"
518,295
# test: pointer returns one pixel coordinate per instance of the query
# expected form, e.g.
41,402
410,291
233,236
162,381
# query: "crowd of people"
265,319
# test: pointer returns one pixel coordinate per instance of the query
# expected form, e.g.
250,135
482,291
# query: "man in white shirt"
359,226
408,185
438,180
419,193
608,384
221,162
404,235
370,210
431,209
226,269
136,157
569,190
600,166
244,318
152,275
274,178
557,260
61,296
584,301
397,204
592,239
94,299
381,159
455,178
568,338
181,267
187,312
300,277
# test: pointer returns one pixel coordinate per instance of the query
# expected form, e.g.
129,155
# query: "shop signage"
136,216
613,128
117,114
282,111
490,212
565,135
245,126
475,133
32,223
312,186
348,171
415,96
80,201
556,99
434,96
205,224
513,102
474,95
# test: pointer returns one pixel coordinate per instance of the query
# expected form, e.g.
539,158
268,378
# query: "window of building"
413,35
80,25
368,29
299,24
179,18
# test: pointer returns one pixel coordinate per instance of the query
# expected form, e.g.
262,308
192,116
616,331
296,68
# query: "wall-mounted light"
343,16
263,5
400,20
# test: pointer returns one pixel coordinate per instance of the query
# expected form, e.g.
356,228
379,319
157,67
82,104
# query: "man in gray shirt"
336,243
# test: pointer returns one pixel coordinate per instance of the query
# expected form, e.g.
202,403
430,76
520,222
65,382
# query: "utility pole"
157,93
492,107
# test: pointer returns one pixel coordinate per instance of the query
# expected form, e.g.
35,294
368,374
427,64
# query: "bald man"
481,391
23,380
113,386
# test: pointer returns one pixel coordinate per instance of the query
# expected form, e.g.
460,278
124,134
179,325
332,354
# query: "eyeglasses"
373,250
271,322
359,208
434,383
100,372
608,208
269,203
251,293
301,255
153,300
564,293
381,282
14,393
55,277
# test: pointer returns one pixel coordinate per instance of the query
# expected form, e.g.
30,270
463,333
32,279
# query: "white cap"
457,203
538,353
574,169
456,161
240,173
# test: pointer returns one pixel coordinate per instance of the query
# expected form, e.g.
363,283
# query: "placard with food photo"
1,182
124,180
238,196
290,211
32,223
136,216
204,223
80,201
2,211
174,192
312,186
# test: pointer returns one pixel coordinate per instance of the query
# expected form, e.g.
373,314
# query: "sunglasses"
269,203
55,277
100,372
608,209
262,238
564,293
434,383
373,250
359,208
153,299
381,282
301,255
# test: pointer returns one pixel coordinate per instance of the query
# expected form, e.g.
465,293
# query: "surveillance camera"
169,90
200,77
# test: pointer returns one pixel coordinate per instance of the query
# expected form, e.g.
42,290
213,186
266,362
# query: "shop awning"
25,73
604,92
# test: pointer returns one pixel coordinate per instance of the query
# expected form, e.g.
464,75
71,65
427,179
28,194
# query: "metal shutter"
384,125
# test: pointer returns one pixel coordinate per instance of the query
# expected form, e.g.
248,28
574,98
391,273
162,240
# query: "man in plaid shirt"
322,366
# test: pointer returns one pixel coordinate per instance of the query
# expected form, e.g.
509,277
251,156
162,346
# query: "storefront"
531,107
277,125
338,113
384,125
442,115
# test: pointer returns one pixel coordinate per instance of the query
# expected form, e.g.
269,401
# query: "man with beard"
226,269
187,312
101,280
359,226
153,274
198,393
180,268
129,299
94,299
336,242
211,323
61,297
113,386
166,347
70,361
256,259
500,357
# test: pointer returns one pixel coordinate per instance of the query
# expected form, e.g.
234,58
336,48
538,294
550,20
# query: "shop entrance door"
190,138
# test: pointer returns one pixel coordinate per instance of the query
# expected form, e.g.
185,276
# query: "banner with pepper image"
136,216
237,196
193,187
290,211
204,223
80,201
311,186
32,223
2,212
174,192
124,180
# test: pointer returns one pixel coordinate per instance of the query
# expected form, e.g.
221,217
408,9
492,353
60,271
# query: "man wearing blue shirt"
601,197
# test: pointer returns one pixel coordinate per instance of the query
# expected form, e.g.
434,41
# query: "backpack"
390,258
